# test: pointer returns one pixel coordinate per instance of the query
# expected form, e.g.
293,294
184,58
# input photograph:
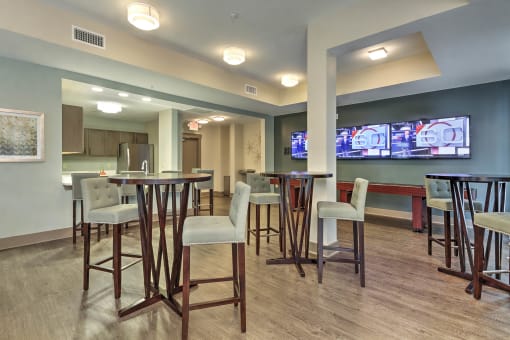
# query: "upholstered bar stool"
78,198
261,195
101,204
438,196
203,230
498,222
353,211
198,187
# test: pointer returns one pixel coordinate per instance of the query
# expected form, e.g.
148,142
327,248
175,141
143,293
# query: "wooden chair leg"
355,242
257,228
75,227
116,260
429,229
268,221
477,284
242,284
280,237
235,273
320,262
185,290
447,240
361,235
248,228
86,255
211,202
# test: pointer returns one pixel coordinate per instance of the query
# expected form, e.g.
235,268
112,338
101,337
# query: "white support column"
321,126
169,143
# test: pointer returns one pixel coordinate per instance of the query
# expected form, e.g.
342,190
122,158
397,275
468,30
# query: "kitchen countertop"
66,176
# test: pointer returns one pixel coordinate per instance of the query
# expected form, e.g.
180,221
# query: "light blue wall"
487,104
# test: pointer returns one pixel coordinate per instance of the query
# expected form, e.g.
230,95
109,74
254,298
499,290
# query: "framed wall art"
21,136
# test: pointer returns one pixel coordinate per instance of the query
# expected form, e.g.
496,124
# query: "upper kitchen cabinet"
72,129
96,142
141,138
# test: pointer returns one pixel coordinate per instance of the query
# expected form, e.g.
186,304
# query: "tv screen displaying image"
367,141
431,138
298,145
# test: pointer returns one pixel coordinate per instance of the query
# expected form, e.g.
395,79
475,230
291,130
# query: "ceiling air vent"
250,89
88,37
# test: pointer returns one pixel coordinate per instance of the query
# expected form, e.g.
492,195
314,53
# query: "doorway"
191,151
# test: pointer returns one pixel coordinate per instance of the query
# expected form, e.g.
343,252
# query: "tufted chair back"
76,182
239,209
359,197
258,183
436,188
98,193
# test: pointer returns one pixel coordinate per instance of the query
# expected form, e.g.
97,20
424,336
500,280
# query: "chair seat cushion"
497,221
209,230
338,210
265,198
446,204
115,214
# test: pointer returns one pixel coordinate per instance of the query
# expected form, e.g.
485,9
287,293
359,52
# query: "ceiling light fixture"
289,80
378,53
146,99
202,121
143,16
218,118
123,94
234,55
109,107
97,89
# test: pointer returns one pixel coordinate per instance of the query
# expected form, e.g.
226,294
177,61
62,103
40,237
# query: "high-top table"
298,222
495,188
152,265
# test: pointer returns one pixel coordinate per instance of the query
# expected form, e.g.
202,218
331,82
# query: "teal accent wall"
487,104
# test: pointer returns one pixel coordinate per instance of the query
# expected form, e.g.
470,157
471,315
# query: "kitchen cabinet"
106,142
95,142
126,137
72,129
141,138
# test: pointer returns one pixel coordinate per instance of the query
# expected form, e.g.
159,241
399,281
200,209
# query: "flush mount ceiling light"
378,53
97,89
218,118
109,107
123,94
234,55
146,99
143,16
289,80
202,121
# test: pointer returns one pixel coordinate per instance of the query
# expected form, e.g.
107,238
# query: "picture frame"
21,136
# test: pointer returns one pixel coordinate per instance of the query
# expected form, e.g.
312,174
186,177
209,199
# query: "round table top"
298,174
161,178
470,177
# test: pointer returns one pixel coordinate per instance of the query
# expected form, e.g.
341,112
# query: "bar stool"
101,204
498,222
355,212
78,198
261,195
203,230
198,187
438,196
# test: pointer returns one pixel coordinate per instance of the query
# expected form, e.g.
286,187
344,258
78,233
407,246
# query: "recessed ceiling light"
146,99
379,53
123,94
202,121
109,107
234,55
289,80
218,118
143,16
97,89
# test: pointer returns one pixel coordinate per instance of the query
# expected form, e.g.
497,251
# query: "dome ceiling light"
218,118
109,107
202,121
289,80
234,55
143,16
378,53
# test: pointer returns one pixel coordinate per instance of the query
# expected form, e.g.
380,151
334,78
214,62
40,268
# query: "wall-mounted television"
431,138
298,145
366,141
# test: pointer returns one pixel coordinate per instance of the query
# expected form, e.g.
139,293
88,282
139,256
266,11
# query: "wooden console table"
417,193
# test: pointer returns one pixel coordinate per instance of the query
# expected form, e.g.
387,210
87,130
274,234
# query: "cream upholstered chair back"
76,182
258,183
98,193
359,197
436,188
207,184
239,209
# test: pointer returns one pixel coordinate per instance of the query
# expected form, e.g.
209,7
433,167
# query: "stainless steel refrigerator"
131,157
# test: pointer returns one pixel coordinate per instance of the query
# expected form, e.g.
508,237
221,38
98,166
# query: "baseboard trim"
28,239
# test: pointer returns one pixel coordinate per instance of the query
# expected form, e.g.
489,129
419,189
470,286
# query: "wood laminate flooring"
405,297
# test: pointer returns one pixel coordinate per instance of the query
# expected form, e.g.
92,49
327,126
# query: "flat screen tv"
431,138
360,142
298,145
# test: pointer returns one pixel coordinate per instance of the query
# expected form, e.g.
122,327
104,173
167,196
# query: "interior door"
190,151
